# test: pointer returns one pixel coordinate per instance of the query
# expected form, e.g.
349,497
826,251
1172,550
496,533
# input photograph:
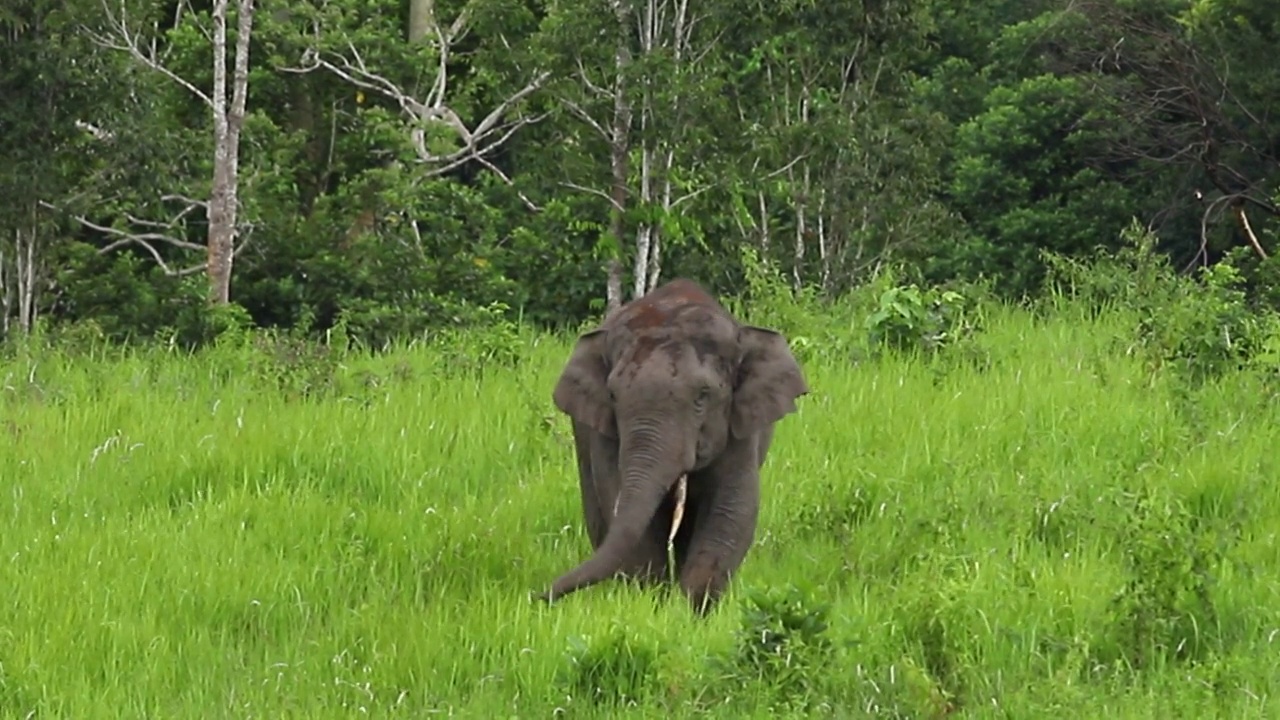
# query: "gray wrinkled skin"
671,385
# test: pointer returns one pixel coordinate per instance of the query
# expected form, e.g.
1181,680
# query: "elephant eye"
703,393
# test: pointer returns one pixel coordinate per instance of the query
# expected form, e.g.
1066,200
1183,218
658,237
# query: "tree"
221,205
441,140
650,97
51,84
1181,77
838,170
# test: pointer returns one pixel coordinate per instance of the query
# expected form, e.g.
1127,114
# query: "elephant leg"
720,522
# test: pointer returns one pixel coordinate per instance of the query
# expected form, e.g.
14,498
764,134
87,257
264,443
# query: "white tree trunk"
802,209
227,123
26,257
6,296
421,16
764,226
655,253
221,207
656,20
649,240
18,274
822,241
619,148
646,233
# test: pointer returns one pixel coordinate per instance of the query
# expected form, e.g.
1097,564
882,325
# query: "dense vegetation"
284,287
980,511
402,166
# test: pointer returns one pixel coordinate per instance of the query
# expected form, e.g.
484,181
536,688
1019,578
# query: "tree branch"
475,143
1243,219
586,82
122,39
585,116
148,241
594,191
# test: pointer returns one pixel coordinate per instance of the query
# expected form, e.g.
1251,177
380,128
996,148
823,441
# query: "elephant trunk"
651,466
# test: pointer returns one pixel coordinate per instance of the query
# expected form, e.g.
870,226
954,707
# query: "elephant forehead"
660,307
646,316
674,352
640,351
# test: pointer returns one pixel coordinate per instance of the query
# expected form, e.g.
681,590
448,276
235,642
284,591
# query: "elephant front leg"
718,530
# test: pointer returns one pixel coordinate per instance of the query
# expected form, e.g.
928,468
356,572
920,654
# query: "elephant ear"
581,392
769,381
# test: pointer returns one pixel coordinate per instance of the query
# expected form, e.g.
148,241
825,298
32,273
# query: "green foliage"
1165,611
910,318
884,314
1100,545
295,366
1134,273
1020,181
1207,329
1067,511
1203,325
618,669
957,141
771,302
490,343
782,644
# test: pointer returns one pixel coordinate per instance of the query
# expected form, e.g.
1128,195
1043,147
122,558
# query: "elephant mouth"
677,515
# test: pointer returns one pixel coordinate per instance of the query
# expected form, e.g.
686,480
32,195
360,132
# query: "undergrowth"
980,511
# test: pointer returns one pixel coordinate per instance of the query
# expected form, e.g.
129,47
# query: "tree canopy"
396,166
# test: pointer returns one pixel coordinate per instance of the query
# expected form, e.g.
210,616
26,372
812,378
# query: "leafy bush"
1201,325
617,669
1165,611
782,642
909,318
488,340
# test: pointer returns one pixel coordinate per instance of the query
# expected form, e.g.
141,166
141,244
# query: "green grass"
1038,528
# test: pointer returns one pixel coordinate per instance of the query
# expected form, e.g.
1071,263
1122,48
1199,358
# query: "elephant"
673,404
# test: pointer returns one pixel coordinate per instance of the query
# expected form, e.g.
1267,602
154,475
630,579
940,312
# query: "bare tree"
664,24
433,114
18,276
222,206
834,178
1182,108
660,26
619,138
826,201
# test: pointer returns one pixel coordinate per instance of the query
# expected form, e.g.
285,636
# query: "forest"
399,167
286,286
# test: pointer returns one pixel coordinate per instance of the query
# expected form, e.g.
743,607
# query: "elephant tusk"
682,487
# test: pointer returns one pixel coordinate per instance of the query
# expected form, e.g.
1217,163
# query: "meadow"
1043,525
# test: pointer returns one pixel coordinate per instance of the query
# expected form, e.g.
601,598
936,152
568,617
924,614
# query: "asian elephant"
672,387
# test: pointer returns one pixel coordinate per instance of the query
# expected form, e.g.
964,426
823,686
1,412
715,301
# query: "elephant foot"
704,582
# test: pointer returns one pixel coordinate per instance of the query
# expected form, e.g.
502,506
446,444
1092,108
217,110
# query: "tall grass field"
1046,525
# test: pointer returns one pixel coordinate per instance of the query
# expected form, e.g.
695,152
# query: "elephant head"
677,383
